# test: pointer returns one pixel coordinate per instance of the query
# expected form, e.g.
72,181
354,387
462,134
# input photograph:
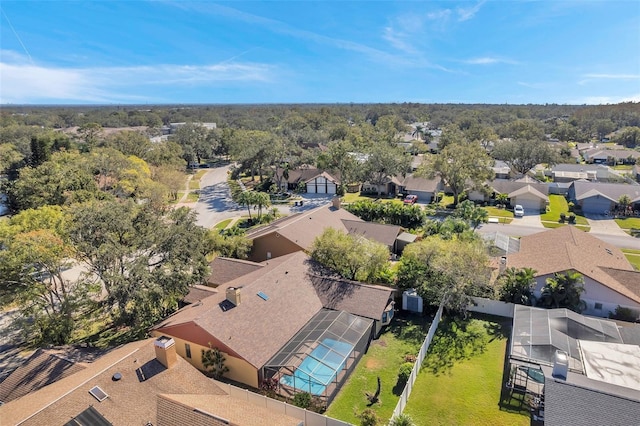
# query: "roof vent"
116,377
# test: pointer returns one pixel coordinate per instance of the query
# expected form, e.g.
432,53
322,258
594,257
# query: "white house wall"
594,292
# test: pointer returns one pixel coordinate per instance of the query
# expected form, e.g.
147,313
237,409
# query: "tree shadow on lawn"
410,328
458,339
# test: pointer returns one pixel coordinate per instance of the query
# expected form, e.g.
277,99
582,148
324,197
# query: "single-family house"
276,323
501,170
298,232
315,181
611,156
531,195
597,198
143,383
426,189
390,186
563,173
576,370
609,279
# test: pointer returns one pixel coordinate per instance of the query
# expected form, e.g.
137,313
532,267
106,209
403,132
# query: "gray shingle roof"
385,234
224,270
613,191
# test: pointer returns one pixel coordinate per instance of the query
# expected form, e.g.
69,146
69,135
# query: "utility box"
411,301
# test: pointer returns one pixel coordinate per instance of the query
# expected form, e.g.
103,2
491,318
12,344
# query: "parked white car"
518,211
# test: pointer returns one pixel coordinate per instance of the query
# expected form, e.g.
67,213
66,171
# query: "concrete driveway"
529,219
601,224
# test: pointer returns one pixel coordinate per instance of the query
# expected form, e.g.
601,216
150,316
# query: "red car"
410,199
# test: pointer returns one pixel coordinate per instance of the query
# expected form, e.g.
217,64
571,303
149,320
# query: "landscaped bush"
405,372
572,218
302,400
623,314
369,418
402,420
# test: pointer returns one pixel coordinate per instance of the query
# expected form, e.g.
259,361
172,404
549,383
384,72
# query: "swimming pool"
320,367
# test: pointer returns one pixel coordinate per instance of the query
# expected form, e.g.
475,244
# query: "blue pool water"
312,375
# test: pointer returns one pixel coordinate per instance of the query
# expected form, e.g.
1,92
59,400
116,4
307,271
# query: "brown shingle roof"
353,297
385,234
568,248
131,400
305,175
256,329
413,183
235,410
303,228
41,369
504,186
224,270
197,293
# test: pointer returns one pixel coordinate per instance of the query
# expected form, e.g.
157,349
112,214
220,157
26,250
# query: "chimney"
336,202
561,365
233,295
166,351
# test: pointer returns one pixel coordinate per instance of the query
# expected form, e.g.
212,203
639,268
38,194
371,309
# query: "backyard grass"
557,205
633,256
467,390
384,358
223,224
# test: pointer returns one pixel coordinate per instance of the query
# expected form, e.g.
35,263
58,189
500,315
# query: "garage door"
530,205
311,187
331,188
596,205
322,187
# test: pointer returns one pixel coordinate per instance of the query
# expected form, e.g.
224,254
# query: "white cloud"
601,100
25,82
439,15
488,60
533,85
464,14
614,76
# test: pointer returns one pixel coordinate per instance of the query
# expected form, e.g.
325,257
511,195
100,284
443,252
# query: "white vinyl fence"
493,307
307,418
416,367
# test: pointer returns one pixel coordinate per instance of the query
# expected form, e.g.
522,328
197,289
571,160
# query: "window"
598,306
187,349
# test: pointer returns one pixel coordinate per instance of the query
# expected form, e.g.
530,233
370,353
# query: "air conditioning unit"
411,301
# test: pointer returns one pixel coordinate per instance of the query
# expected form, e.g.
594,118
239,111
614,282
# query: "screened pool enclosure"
320,356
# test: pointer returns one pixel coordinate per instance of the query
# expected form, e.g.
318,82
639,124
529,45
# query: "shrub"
402,420
571,206
410,358
302,400
369,418
623,314
572,218
405,372
563,217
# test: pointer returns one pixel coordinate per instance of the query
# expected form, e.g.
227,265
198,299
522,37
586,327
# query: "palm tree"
516,286
261,200
418,133
402,420
502,199
563,291
247,198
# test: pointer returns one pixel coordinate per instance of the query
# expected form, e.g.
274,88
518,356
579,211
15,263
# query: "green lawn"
352,197
628,222
194,184
557,205
496,212
192,197
633,256
467,389
622,167
223,224
383,360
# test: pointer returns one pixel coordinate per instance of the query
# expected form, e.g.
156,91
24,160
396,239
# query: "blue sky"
139,52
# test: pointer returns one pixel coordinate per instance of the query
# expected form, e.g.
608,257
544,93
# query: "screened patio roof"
538,333
326,326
